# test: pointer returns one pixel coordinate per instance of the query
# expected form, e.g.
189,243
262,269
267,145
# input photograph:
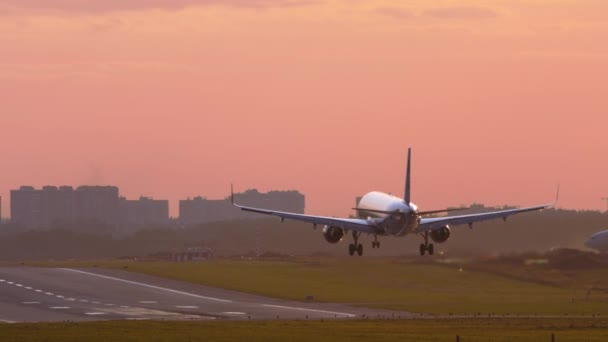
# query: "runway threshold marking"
309,310
30,303
149,286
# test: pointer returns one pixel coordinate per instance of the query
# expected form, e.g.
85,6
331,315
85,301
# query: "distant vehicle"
383,214
598,241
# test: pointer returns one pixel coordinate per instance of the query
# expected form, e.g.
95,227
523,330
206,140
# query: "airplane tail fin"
406,196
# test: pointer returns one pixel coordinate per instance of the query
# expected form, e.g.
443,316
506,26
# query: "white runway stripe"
59,307
186,306
95,313
149,286
30,303
6,321
147,302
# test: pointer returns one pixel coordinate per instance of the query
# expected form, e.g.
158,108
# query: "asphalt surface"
29,294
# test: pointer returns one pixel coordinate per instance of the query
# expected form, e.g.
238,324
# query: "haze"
172,99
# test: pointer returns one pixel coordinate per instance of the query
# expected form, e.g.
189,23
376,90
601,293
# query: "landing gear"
375,243
355,247
426,246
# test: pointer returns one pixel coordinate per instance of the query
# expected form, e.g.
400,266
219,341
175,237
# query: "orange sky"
500,100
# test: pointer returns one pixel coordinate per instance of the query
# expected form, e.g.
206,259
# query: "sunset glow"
499,100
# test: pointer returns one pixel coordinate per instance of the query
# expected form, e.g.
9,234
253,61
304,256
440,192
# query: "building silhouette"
144,211
41,208
202,210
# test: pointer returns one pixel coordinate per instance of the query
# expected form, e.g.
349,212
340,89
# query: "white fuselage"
380,204
598,241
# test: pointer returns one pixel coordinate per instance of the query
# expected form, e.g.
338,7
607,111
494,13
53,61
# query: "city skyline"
499,101
47,204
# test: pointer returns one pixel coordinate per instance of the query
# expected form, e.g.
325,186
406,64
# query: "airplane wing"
359,225
430,224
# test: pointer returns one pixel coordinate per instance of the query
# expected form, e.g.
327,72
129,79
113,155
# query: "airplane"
382,214
598,241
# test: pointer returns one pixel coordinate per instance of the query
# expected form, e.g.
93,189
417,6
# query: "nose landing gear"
375,243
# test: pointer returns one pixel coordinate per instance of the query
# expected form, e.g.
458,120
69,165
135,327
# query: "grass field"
398,284
469,330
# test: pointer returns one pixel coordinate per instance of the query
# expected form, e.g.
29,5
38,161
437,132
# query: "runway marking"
48,293
109,304
150,286
186,306
18,285
10,282
124,306
310,310
59,296
95,313
7,321
30,303
2,280
84,300
96,302
233,313
27,288
148,302
38,290
59,307
70,299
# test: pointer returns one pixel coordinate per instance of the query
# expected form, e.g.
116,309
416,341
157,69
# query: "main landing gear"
375,243
355,247
424,247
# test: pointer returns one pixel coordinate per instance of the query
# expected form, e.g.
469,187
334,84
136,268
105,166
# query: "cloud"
395,12
104,6
461,13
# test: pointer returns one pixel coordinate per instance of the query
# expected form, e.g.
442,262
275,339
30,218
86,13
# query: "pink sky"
172,99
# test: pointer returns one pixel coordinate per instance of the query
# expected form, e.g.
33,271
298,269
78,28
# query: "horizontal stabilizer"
430,212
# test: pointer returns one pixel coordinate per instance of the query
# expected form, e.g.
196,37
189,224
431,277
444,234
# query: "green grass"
378,331
387,283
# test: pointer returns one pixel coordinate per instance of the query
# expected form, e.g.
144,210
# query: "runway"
29,294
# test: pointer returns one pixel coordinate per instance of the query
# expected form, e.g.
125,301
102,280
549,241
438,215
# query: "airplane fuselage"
381,206
598,241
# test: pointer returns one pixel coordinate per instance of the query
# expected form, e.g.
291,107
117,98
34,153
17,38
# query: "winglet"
232,193
406,195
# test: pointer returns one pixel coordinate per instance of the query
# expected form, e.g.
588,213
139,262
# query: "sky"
499,100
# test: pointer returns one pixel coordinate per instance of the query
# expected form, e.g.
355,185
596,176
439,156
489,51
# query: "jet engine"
440,235
333,234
